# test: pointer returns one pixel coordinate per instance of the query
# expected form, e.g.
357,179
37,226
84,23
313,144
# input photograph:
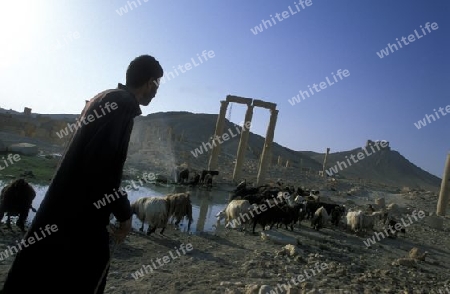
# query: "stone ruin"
266,156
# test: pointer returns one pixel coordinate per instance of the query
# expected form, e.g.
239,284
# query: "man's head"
142,78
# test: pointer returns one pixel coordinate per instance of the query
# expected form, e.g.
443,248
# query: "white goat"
320,218
358,221
368,220
354,220
236,213
151,210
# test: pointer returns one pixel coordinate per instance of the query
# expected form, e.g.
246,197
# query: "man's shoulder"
119,95
122,98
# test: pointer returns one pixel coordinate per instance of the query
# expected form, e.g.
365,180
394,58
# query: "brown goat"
180,206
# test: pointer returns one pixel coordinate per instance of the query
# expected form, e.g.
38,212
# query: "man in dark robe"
74,258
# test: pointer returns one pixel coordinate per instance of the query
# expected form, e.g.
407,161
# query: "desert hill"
163,140
385,166
192,130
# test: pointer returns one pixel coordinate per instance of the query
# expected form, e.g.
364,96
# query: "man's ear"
154,82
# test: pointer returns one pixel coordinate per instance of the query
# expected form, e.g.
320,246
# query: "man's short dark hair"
141,69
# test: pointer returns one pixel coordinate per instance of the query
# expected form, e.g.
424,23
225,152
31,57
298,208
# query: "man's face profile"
151,90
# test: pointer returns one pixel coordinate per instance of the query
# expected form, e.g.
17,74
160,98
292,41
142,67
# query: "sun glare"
17,24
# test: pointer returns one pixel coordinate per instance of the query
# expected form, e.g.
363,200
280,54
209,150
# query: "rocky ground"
230,261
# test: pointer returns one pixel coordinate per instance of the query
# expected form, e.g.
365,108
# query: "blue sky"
381,99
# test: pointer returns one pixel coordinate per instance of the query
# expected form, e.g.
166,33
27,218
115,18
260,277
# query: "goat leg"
150,230
142,227
8,222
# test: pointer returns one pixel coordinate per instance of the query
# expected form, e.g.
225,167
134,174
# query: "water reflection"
205,204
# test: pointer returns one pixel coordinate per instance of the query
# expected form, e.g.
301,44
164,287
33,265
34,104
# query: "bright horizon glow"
55,55
17,27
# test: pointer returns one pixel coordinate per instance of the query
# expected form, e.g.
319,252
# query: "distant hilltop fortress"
370,142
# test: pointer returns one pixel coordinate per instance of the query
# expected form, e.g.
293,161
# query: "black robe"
73,258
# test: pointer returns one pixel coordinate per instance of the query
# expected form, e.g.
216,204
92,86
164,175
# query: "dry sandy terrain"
230,261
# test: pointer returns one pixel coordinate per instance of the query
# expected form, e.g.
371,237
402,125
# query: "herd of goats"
266,205
17,197
277,206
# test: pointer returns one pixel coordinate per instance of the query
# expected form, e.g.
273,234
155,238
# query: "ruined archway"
266,152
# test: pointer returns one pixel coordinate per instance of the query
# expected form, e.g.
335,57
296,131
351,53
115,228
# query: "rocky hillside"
189,131
386,166
163,140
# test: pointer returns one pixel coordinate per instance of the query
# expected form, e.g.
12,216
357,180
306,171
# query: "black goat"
16,200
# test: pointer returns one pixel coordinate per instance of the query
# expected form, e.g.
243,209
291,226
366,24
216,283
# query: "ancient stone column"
204,205
169,131
242,144
182,136
279,160
212,165
269,155
445,189
267,147
325,162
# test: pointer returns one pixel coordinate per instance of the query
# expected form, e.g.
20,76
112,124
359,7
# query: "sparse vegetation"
35,169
